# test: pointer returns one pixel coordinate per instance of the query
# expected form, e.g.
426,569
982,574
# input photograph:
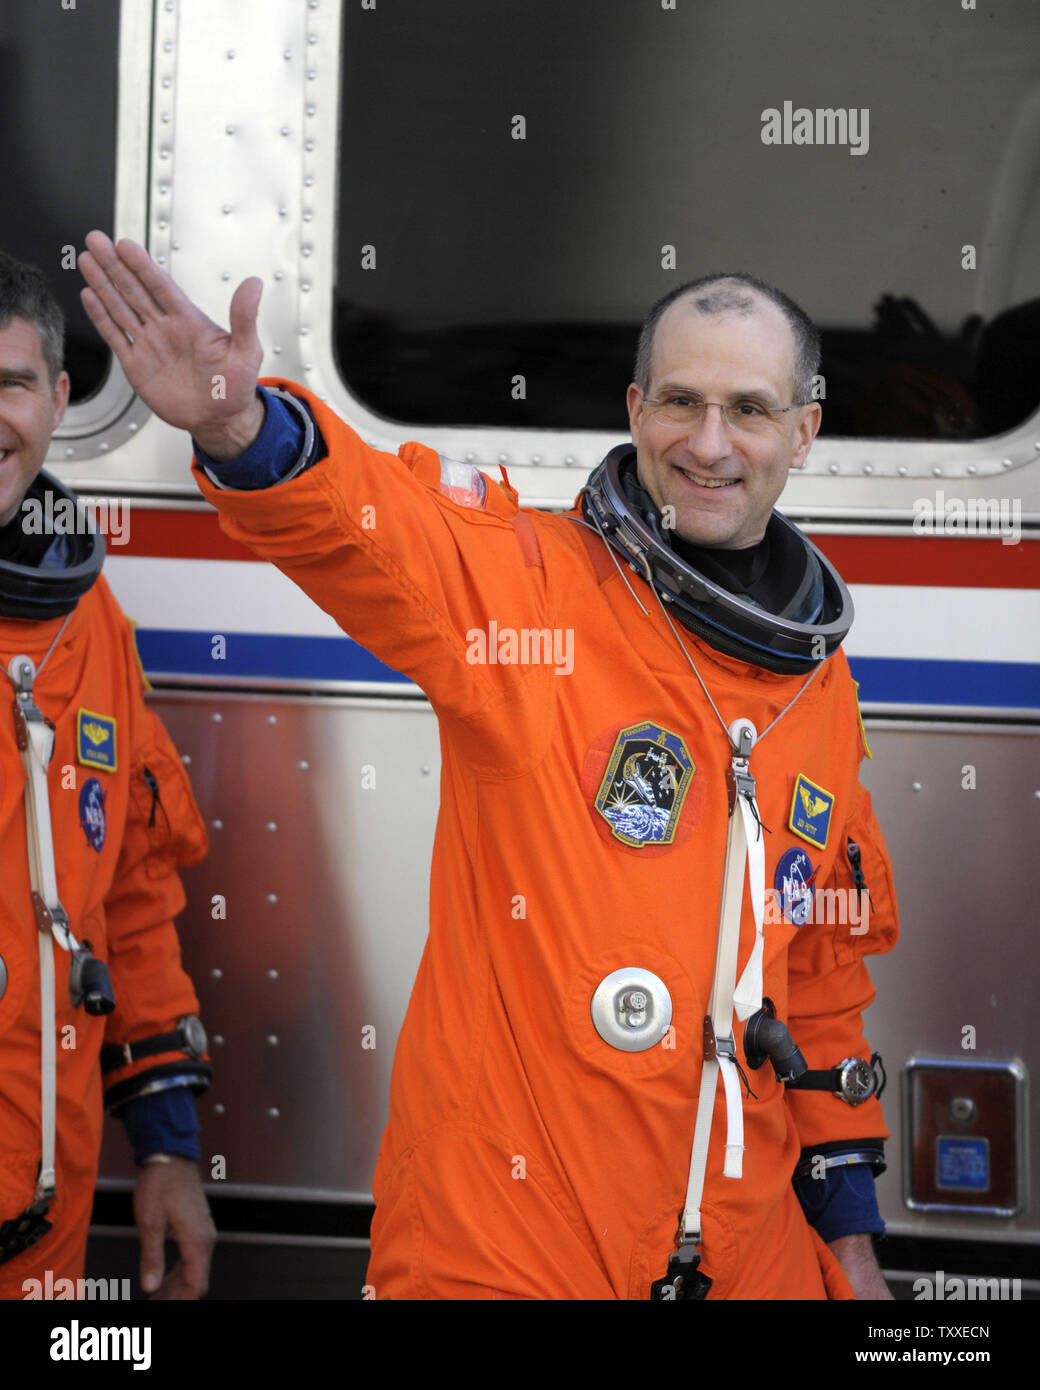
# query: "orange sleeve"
411,571
830,986
163,831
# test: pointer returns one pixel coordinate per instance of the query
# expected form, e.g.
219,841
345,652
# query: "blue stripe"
882,680
166,653
989,684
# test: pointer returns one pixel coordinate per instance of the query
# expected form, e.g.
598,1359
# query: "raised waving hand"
191,372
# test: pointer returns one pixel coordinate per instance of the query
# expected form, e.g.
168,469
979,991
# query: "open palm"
189,371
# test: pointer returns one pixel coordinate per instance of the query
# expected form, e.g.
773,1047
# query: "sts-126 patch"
811,809
643,789
96,740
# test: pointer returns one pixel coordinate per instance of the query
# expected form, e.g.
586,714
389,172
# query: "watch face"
194,1036
857,1080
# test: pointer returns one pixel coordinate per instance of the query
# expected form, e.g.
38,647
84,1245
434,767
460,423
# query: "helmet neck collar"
810,626
70,561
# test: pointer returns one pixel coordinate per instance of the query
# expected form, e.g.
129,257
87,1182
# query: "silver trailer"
460,218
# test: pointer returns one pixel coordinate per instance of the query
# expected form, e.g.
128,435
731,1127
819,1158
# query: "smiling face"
30,410
723,483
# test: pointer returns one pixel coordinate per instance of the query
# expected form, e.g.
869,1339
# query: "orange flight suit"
525,1157
116,847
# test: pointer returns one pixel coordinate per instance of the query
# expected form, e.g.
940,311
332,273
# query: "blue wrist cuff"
842,1203
163,1122
272,456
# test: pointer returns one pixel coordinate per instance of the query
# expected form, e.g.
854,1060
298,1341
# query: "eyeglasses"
681,408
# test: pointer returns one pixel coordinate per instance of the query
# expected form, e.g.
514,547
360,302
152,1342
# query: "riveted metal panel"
959,806
303,929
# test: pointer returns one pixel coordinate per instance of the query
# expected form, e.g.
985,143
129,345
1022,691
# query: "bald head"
724,298
740,296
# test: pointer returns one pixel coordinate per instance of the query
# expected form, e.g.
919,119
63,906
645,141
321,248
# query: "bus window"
511,183
59,71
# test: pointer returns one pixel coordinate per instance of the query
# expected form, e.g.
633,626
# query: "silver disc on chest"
632,1009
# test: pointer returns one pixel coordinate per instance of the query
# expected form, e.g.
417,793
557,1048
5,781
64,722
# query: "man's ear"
60,398
805,432
634,401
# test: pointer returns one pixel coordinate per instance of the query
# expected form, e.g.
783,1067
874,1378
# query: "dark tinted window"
644,127
58,89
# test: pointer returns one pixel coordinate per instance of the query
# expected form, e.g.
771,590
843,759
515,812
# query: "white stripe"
215,596
932,623
910,621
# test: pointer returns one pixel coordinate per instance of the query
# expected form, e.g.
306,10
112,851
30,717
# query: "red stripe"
956,562
180,535
947,561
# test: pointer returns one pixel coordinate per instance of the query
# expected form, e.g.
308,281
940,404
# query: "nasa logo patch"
92,813
811,808
648,775
793,882
96,740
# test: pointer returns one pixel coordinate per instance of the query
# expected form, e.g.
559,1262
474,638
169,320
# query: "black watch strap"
114,1055
852,1080
817,1081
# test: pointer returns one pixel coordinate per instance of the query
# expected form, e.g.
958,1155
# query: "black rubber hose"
763,1034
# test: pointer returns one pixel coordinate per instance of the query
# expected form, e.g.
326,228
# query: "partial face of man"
721,481
30,410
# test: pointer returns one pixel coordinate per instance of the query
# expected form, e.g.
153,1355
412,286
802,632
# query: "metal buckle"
683,1283
20,1232
739,782
880,1075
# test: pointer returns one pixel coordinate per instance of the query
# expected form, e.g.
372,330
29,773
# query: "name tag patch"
96,740
811,808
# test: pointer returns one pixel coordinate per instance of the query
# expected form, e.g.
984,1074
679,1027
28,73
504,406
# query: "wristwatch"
852,1080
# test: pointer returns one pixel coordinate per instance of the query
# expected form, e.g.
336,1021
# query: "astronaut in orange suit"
115,802
633,1063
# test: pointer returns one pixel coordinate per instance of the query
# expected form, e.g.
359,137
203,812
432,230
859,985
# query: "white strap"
720,1004
691,1217
36,745
734,1160
36,760
744,850
747,998
45,1184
